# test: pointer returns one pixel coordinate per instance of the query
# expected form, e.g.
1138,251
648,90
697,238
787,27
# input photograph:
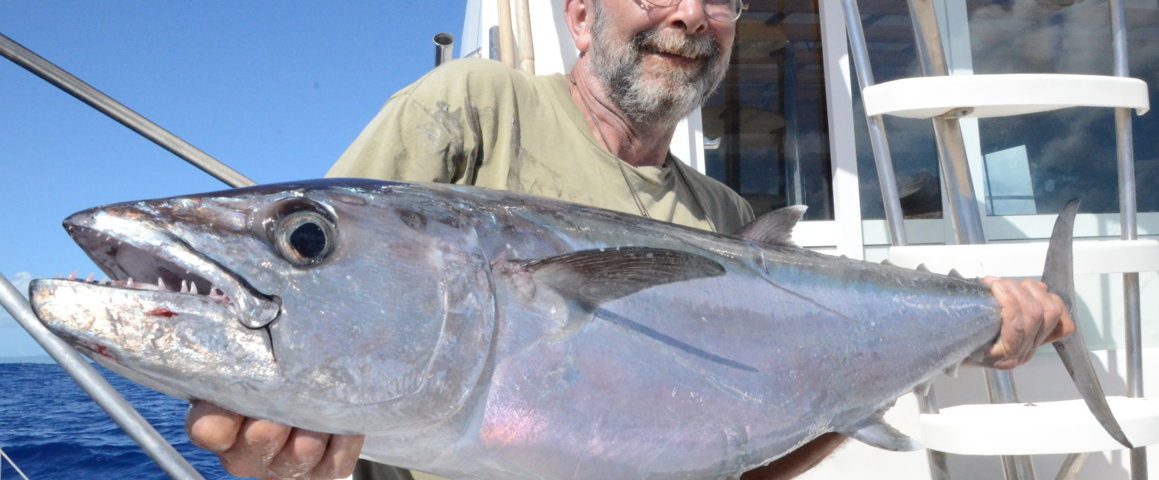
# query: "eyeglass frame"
741,7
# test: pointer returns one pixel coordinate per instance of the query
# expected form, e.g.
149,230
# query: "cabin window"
766,127
1030,164
1068,153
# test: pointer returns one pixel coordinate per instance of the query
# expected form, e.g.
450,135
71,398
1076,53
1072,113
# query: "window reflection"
890,40
1034,163
766,127
1071,153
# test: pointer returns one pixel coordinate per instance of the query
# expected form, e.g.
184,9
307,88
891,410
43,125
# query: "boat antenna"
119,112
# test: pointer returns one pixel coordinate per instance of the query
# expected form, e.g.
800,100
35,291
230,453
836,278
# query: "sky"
276,90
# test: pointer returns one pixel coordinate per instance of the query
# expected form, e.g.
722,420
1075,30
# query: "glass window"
890,40
1031,163
1068,153
766,127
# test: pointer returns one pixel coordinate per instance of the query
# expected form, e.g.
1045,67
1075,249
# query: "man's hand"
249,447
1032,316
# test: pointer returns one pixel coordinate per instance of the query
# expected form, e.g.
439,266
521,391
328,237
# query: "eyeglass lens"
719,10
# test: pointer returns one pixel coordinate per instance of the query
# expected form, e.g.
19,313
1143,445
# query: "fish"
476,333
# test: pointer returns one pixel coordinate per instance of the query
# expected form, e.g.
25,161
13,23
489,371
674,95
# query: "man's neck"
638,145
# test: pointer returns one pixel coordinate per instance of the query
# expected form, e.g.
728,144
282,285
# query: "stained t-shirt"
478,122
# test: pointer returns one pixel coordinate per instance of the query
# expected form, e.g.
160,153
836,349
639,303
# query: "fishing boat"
944,132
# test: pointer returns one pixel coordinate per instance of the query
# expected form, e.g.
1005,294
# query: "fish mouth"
137,257
132,267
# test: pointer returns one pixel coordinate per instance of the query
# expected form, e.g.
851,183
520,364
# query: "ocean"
51,429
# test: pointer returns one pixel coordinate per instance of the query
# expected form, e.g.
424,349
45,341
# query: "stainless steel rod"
1072,465
878,141
106,105
444,44
964,214
791,140
1125,155
97,387
963,210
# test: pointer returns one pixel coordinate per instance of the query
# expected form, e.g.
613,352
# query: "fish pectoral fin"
594,277
774,229
875,432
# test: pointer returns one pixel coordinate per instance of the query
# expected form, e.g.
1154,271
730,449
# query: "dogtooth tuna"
475,333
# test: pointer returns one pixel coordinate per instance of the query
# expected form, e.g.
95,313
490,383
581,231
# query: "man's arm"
798,461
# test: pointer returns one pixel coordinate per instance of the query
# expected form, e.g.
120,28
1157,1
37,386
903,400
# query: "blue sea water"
51,429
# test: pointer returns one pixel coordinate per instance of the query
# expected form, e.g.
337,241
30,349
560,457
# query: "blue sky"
274,89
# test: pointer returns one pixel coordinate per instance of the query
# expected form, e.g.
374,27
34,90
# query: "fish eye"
305,238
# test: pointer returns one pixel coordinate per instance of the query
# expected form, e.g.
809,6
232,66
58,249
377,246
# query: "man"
598,136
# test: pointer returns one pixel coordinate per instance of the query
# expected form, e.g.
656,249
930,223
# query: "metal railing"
966,217
5,458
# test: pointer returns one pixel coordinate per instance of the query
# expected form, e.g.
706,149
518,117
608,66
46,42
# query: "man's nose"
689,15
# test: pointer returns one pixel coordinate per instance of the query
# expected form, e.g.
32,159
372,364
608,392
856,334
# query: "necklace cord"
608,147
624,173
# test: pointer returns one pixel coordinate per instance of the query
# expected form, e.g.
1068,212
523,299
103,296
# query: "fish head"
339,306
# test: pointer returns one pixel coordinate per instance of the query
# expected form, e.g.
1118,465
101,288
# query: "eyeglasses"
719,10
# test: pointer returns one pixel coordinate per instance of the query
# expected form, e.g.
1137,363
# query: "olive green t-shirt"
478,122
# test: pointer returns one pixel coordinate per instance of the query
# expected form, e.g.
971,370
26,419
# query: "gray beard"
667,98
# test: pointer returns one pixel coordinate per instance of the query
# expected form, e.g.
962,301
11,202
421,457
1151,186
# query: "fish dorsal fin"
875,432
774,229
594,277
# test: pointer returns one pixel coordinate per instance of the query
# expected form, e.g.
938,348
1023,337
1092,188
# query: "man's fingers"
1031,316
1021,320
211,427
1064,326
258,442
341,456
1052,309
300,454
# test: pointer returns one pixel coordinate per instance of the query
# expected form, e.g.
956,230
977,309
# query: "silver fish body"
484,334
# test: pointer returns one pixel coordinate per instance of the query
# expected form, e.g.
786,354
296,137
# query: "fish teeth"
184,286
193,288
129,282
161,284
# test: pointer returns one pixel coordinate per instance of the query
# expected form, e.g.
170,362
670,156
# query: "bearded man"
598,136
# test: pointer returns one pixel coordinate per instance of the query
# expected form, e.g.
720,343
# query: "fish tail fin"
1058,275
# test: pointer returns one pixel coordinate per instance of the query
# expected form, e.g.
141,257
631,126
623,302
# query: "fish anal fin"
774,228
875,432
594,277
